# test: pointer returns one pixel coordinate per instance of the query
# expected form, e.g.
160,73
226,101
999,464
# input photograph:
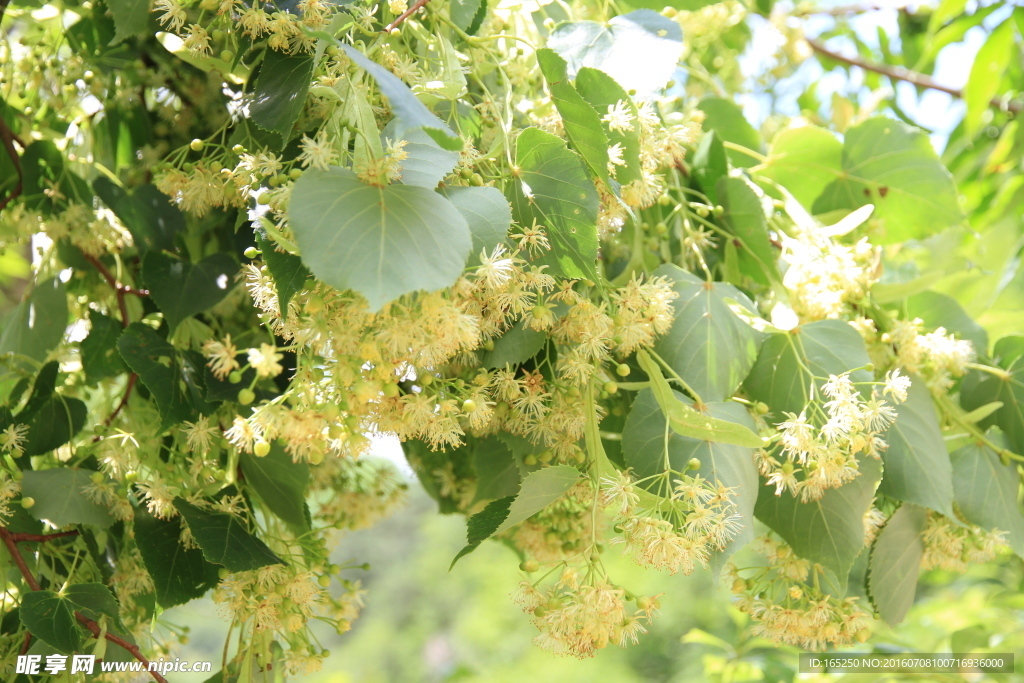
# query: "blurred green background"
423,623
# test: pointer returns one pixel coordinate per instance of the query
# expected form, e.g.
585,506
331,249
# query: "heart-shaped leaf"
182,289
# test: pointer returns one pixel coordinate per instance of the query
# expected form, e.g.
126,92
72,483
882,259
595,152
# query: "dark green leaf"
463,13
131,17
745,218
154,360
95,599
42,167
710,164
518,344
893,166
896,562
182,289
100,358
639,49
917,466
826,347
554,189
280,483
60,497
382,242
281,91
497,474
224,539
581,122
708,346
179,574
980,388
726,118
829,531
288,271
37,324
409,111
482,525
54,424
488,214
646,441
147,212
51,618
985,491
804,160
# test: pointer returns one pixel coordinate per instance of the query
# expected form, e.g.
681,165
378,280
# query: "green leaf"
986,75
646,440
985,491
894,167
463,13
281,92
224,539
896,562
553,188
182,289
518,344
131,17
100,358
280,483
829,531
745,218
409,111
486,212
639,49
726,118
825,347
497,474
686,421
382,242
581,122
483,525
60,498
154,360
37,324
601,91
539,489
95,599
179,574
51,618
426,163
710,164
147,212
917,466
804,160
708,346
980,388
42,167
54,424
288,271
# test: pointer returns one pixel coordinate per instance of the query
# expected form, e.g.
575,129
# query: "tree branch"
900,74
405,15
39,538
94,628
119,289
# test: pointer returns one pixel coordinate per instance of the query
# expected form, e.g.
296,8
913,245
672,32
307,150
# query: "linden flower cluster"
274,598
578,618
824,276
937,356
561,530
953,547
787,609
813,458
8,490
700,519
361,492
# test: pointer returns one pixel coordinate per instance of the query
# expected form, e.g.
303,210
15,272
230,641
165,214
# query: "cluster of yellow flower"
788,608
948,545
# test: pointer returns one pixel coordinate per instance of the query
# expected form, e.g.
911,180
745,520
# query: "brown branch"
405,15
39,538
124,399
900,74
846,9
28,641
94,628
119,289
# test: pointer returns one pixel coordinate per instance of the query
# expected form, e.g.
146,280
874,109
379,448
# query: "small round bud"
314,304
739,585
238,149
643,602
28,502
425,380
540,612
530,460
469,405
391,390
217,34
263,199
694,464
324,580
295,173
261,449
235,376
332,51
227,55
529,566
611,387
246,396
131,477
96,477
863,635
223,573
251,252
760,408
196,145
870,367
622,370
